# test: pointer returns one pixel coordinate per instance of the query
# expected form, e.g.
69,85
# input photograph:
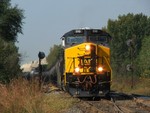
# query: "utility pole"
130,44
132,67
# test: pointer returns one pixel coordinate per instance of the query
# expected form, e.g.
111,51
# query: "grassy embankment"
123,84
20,96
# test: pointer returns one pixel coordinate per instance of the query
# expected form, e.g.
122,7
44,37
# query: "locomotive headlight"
100,69
87,47
77,70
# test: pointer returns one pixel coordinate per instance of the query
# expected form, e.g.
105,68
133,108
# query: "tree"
144,57
8,61
10,21
10,25
127,27
54,54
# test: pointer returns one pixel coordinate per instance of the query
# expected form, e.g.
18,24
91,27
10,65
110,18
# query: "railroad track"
128,104
117,103
119,109
102,106
131,104
142,101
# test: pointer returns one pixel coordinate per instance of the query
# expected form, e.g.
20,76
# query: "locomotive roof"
86,32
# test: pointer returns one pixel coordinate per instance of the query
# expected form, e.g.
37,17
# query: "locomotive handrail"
70,64
107,63
108,66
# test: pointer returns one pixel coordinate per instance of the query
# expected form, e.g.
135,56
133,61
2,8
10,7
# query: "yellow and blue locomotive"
86,62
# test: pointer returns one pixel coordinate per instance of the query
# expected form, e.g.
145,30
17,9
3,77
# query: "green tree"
10,21
130,26
9,60
144,57
10,25
54,54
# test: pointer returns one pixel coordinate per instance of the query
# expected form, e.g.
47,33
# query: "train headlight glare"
87,47
100,69
77,69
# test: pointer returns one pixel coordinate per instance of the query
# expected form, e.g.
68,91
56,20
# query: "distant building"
28,67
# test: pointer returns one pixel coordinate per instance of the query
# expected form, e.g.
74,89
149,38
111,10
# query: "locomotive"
85,63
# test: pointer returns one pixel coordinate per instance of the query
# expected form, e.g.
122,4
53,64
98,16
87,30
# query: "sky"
47,20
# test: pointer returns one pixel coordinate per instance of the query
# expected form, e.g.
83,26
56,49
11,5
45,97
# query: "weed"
22,96
124,83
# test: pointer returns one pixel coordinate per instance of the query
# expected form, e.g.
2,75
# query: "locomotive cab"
87,71
85,35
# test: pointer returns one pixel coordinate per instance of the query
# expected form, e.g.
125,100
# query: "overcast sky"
47,20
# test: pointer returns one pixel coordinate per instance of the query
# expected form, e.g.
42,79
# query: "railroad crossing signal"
129,67
41,55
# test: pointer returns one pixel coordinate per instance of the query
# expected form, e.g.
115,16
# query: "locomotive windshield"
99,39
75,39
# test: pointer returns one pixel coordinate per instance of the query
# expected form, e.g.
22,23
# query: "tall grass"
19,97
22,96
141,85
